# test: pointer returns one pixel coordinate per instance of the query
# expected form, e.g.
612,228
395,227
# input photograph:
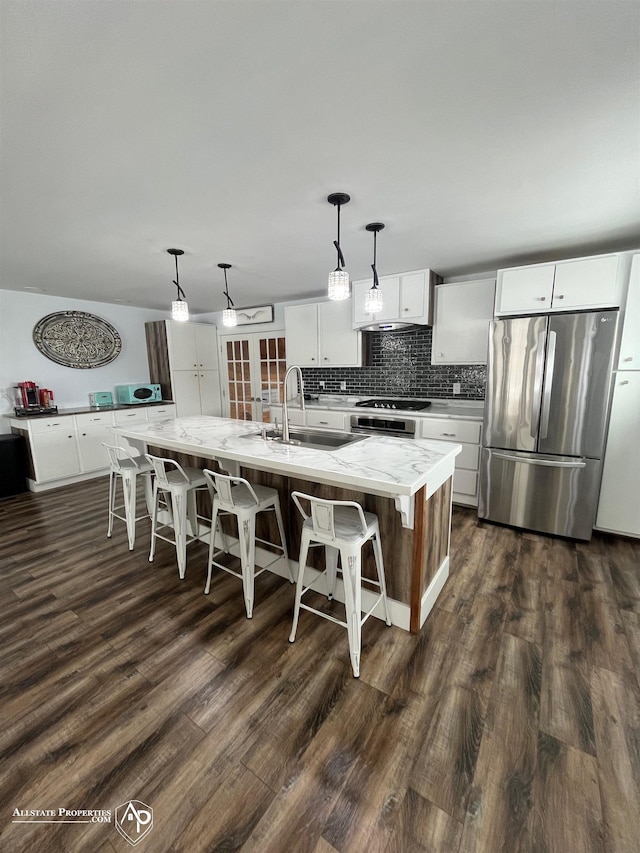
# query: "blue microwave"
129,394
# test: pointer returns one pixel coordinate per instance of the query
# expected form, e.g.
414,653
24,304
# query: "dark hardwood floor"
511,723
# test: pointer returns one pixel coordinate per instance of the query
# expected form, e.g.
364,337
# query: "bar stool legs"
236,496
343,528
175,488
126,467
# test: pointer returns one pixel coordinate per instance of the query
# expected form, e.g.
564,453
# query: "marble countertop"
387,466
439,408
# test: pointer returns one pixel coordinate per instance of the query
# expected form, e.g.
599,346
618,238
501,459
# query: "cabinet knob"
326,358
449,434
312,358
405,309
440,354
629,358
541,298
560,296
625,382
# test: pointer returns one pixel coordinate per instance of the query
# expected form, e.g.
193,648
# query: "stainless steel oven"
380,425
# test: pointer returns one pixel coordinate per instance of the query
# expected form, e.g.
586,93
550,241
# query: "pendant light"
229,317
373,302
179,307
339,278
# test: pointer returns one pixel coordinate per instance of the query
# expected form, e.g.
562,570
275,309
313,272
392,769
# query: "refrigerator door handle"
548,385
549,463
537,385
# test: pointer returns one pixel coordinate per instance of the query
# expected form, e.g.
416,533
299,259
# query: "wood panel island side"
406,482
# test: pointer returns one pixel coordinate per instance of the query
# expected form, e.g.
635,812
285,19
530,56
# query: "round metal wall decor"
77,339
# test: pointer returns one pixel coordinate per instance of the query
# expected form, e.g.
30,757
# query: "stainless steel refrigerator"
546,410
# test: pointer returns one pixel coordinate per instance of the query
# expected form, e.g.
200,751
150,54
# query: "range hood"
391,326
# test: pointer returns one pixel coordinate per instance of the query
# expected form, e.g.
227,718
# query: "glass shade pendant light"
229,317
179,307
373,302
339,278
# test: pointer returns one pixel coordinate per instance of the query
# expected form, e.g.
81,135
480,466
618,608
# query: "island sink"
315,439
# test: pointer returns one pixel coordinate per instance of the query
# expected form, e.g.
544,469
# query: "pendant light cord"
181,294
336,243
226,291
373,265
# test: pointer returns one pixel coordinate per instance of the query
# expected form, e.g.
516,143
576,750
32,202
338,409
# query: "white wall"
20,360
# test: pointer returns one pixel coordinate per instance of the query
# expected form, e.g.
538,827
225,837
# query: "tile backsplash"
399,363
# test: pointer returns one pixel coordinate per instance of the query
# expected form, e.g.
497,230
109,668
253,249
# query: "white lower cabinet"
619,505
467,434
54,449
92,430
68,448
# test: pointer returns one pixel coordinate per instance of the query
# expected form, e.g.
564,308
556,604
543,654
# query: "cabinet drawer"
465,482
158,413
91,419
449,429
52,424
130,416
327,420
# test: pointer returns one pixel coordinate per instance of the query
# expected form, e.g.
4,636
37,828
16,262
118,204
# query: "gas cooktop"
406,405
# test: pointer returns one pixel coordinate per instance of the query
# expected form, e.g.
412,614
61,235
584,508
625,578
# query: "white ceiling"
482,134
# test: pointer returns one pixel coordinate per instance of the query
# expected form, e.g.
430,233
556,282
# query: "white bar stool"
125,466
175,488
342,527
236,496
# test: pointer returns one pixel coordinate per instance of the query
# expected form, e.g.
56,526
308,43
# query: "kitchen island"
406,482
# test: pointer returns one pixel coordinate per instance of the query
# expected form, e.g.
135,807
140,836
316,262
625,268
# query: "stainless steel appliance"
378,425
408,405
548,389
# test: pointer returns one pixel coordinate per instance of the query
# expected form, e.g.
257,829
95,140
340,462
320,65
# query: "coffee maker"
30,399
29,395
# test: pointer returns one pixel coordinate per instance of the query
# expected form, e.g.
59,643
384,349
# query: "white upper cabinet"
339,344
591,283
462,314
193,345
301,334
630,344
583,284
525,290
407,297
319,334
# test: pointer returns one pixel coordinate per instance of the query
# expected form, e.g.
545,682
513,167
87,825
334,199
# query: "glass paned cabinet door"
255,368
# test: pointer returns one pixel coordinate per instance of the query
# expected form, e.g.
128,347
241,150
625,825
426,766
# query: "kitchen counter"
83,410
464,409
406,482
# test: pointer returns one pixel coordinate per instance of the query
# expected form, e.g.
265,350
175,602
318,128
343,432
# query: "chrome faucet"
285,406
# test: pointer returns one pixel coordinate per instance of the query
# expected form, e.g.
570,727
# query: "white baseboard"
399,611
